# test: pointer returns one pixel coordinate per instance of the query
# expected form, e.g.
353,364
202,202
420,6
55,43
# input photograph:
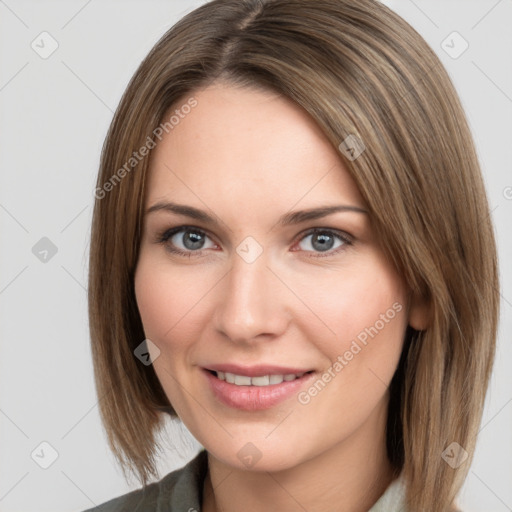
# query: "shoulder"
179,491
141,499
393,499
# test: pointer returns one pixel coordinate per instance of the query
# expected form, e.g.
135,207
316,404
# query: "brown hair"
358,69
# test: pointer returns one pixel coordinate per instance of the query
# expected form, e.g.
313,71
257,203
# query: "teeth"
276,379
263,380
242,380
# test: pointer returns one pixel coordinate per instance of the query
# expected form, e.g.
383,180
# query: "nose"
252,304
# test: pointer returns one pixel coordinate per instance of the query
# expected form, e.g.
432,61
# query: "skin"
247,157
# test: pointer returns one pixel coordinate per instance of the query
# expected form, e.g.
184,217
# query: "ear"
419,312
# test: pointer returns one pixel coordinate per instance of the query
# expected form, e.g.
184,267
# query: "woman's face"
257,285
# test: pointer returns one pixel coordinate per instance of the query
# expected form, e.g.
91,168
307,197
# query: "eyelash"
164,237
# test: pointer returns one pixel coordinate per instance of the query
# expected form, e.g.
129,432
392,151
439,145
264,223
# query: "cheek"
367,313
172,307
165,306
362,313
153,301
166,299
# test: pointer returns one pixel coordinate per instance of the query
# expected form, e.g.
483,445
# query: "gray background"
54,113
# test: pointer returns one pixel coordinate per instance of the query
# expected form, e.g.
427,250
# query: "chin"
258,456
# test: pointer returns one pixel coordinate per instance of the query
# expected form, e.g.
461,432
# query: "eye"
320,240
190,241
185,240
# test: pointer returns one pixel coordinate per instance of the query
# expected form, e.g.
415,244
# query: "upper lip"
256,370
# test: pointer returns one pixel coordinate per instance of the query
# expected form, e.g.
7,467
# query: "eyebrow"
287,219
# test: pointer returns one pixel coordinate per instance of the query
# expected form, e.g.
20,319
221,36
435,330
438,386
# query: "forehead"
245,147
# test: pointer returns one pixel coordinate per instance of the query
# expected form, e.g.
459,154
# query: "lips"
256,387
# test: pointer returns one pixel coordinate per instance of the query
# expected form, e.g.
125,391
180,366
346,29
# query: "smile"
263,380
264,389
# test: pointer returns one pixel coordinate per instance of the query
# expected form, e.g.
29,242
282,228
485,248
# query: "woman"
292,252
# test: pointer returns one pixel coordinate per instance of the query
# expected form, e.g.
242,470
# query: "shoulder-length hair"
358,70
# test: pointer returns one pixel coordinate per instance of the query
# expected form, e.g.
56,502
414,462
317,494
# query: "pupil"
193,240
324,242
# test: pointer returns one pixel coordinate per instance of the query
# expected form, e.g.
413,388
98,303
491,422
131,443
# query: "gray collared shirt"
182,491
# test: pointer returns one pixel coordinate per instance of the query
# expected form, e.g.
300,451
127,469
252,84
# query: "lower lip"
254,398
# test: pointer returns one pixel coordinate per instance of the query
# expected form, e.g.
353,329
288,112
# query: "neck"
352,475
